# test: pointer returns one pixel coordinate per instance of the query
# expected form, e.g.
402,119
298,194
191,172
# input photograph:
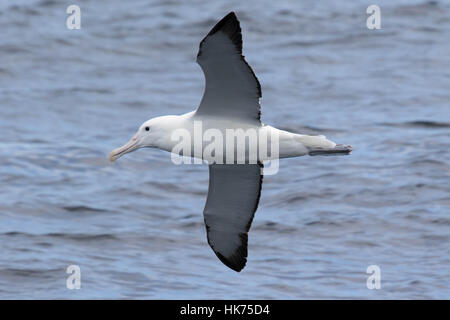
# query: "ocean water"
135,228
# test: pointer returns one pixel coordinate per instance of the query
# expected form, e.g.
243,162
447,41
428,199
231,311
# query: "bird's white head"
152,133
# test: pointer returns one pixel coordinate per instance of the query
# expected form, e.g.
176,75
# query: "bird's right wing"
231,87
233,197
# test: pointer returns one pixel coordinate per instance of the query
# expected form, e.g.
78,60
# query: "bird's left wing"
232,89
233,197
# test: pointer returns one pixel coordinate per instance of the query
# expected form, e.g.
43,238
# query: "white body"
227,122
288,144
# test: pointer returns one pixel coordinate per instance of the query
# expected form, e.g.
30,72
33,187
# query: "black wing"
233,197
231,87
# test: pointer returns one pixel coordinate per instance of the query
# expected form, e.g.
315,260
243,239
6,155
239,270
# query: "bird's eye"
147,129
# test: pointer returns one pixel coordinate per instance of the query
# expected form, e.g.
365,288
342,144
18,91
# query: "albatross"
230,101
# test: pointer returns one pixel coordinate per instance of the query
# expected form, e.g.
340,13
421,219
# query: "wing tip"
230,20
238,259
235,262
230,26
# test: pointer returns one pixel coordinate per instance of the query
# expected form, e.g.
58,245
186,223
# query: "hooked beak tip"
128,147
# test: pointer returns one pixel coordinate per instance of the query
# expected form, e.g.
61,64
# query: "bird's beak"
128,147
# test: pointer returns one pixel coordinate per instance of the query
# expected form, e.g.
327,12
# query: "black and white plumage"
234,190
230,101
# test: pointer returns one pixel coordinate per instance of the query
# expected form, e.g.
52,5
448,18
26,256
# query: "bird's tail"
338,150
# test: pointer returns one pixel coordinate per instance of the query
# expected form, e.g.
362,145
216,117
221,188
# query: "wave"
418,124
83,209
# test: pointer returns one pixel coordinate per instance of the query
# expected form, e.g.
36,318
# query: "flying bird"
230,102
